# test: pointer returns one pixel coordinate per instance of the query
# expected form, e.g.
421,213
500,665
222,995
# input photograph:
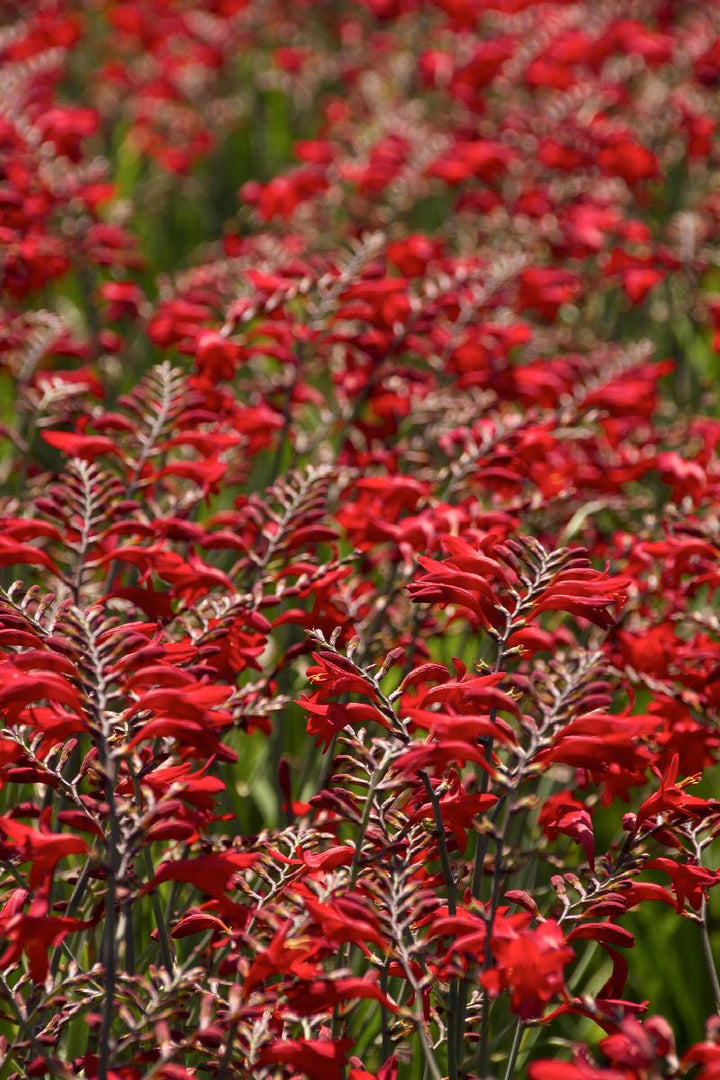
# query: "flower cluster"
359,672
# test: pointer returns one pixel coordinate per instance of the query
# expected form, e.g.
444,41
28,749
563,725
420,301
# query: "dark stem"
481,848
163,939
384,1015
452,1012
110,933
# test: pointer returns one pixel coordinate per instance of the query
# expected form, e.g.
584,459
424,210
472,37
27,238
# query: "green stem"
514,1050
163,939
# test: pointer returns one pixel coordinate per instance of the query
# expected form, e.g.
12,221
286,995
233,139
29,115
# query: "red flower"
42,848
572,1070
544,289
318,1059
212,874
285,955
33,933
87,447
690,883
345,919
629,160
528,962
321,995
561,814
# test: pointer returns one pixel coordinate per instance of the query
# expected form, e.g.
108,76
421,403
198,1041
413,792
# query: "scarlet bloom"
690,883
478,581
285,955
583,592
457,808
637,281
544,289
669,798
629,160
318,1059
86,447
281,196
33,933
563,815
572,1070
333,674
15,554
528,962
320,995
212,874
217,356
324,721
346,919
43,848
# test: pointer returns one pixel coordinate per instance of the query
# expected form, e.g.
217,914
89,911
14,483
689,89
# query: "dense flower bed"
359,662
